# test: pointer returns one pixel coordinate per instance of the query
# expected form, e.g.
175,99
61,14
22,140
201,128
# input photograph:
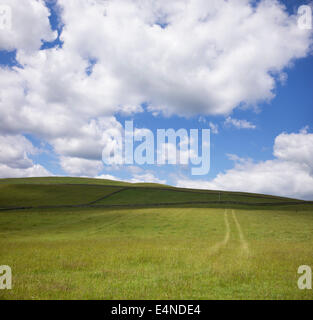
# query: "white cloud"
238,159
15,151
14,158
295,147
210,57
239,124
81,167
213,127
90,140
30,25
290,174
147,177
35,170
108,177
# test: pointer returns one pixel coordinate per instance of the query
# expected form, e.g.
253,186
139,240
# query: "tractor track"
243,243
224,242
244,247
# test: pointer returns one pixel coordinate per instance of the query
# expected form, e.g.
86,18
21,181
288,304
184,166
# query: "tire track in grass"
223,243
244,243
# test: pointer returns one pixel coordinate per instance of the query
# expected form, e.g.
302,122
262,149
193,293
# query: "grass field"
67,238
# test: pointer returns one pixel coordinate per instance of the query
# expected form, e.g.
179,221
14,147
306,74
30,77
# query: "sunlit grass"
159,253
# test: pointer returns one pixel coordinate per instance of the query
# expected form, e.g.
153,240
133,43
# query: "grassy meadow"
74,239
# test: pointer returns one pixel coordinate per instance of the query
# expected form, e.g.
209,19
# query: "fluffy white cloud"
90,140
186,56
108,177
210,57
29,26
181,57
14,158
290,174
81,167
35,170
147,177
15,150
239,124
295,147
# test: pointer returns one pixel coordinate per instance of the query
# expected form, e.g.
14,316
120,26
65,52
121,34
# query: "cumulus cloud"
180,57
14,158
108,177
90,140
81,167
239,124
289,174
29,26
295,147
15,151
147,177
186,56
35,170
210,57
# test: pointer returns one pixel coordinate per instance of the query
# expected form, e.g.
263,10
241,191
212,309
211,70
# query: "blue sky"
69,84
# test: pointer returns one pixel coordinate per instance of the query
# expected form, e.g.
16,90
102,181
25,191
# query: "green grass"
62,180
176,252
42,195
89,181
157,196
36,192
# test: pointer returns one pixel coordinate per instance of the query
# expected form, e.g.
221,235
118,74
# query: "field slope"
76,238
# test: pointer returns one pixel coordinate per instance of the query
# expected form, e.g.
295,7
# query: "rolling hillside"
73,238
58,192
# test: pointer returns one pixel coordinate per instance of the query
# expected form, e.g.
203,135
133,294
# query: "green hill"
62,180
63,191
77,238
